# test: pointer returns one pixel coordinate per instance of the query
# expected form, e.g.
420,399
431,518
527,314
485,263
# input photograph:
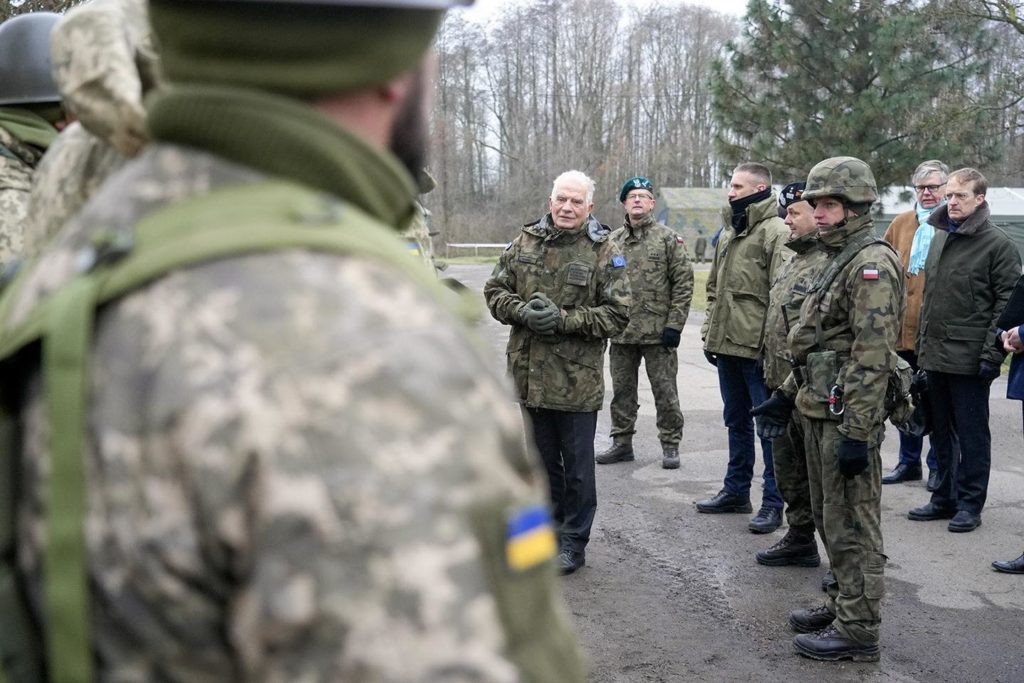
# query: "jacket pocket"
746,319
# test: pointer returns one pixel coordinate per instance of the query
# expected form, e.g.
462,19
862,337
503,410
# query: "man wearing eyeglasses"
562,286
661,277
911,235
972,268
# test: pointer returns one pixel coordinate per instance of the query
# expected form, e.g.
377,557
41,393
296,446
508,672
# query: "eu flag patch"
529,538
618,261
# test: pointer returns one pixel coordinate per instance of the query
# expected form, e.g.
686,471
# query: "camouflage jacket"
859,316
17,163
660,278
584,274
253,509
743,268
788,293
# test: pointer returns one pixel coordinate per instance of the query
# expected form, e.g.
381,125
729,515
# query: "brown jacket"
900,234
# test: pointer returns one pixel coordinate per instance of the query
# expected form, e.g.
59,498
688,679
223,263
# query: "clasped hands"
1011,340
541,314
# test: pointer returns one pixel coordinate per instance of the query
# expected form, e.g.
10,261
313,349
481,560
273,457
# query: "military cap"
635,183
792,193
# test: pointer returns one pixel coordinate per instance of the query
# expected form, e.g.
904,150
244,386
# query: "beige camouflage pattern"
17,163
299,469
742,270
574,268
103,62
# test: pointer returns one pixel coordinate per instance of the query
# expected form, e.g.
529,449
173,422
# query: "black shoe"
902,473
621,451
725,502
828,580
669,457
796,548
930,512
766,521
811,620
1010,566
964,521
570,560
933,480
829,646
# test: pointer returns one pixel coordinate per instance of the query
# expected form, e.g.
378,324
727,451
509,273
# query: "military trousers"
662,366
566,444
790,461
849,512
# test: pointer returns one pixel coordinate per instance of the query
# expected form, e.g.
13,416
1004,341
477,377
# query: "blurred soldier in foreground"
103,62
298,464
561,284
798,546
845,346
30,113
661,279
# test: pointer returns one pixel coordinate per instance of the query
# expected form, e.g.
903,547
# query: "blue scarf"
922,239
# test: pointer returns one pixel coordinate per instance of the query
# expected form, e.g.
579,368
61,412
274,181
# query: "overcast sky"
482,9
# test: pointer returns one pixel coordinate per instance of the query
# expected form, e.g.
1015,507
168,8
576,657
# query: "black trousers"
960,412
566,444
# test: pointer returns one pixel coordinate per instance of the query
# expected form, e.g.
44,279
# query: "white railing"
475,246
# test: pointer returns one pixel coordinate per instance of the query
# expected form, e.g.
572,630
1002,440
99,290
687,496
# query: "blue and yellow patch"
618,261
529,538
413,247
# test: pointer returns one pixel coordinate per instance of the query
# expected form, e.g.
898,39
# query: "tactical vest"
228,222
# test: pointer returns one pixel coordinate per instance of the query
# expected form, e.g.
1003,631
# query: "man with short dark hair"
972,268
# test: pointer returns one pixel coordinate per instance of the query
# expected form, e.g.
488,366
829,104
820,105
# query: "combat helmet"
25,76
848,178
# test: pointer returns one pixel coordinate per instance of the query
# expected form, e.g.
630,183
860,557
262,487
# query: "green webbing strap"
66,349
836,266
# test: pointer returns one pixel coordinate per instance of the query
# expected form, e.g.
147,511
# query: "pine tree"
886,81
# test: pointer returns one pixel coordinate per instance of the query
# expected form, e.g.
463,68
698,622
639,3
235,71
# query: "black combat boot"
830,646
797,547
811,620
669,457
621,451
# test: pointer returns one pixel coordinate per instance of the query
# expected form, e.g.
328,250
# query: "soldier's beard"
409,131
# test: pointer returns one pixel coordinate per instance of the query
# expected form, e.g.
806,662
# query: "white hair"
574,177
927,168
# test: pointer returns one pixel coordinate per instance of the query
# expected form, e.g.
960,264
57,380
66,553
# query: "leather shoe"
620,451
830,646
797,547
725,502
902,473
828,580
964,521
570,560
933,480
811,620
930,512
1010,566
766,521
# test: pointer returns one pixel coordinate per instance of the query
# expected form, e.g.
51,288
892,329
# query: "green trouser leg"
850,512
662,370
624,364
791,475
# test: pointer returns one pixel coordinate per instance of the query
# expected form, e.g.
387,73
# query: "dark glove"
988,371
712,358
772,417
919,383
853,457
670,338
541,317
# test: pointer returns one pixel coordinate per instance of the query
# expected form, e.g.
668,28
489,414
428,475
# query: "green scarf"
284,137
27,126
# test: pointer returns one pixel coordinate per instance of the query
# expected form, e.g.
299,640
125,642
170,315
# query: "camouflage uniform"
584,274
859,317
253,509
17,162
661,279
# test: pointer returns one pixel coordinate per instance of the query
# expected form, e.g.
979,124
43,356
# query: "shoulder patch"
869,271
618,261
529,538
680,240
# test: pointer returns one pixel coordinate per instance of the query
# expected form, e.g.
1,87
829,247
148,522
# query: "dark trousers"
743,387
960,412
911,446
566,444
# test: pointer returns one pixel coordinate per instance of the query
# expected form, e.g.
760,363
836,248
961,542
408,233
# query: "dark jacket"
970,275
1013,316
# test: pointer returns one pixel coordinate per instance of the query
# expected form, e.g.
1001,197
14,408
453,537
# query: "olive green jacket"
744,266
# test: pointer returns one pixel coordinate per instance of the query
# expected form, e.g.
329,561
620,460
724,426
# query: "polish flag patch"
870,273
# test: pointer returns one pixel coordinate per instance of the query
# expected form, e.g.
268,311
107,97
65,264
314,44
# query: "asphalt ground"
669,594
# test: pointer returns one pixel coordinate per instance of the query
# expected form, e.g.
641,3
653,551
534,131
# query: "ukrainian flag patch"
529,538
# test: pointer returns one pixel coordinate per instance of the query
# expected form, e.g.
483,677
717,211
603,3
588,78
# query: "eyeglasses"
576,202
931,188
639,195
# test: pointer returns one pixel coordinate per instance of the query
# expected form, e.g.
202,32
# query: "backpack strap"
227,222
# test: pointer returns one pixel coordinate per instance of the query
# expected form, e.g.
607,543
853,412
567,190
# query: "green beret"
291,48
635,183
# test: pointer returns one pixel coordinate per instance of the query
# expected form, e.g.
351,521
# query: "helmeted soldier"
562,286
661,279
238,356
30,111
844,343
